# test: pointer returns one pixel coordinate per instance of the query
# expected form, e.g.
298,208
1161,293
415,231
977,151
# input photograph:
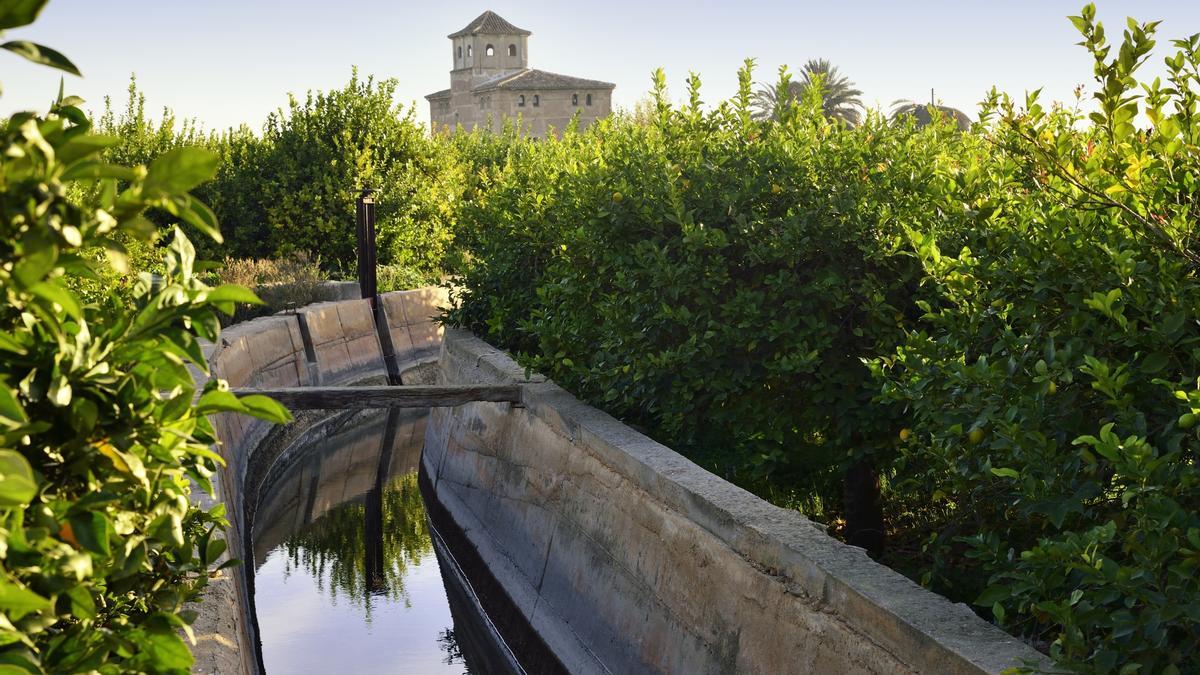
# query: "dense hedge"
103,435
292,188
987,340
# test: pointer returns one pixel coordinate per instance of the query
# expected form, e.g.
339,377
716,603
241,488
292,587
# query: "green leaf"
1155,362
92,531
17,483
218,401
179,170
167,651
82,604
94,169
1006,473
992,595
17,601
214,550
85,146
11,412
233,293
15,13
41,54
265,408
197,214
51,292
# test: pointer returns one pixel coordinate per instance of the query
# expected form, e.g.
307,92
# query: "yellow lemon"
905,434
975,436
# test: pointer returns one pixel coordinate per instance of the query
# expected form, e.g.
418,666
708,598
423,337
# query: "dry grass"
284,283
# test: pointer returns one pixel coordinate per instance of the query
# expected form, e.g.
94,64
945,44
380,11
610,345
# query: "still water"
346,576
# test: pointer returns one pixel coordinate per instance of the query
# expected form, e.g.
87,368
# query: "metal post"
366,244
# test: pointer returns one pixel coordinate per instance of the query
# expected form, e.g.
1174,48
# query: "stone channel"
590,547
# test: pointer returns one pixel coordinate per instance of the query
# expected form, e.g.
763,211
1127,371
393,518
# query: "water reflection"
346,579
363,551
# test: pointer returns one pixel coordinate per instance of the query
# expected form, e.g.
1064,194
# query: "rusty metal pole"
366,244
367,285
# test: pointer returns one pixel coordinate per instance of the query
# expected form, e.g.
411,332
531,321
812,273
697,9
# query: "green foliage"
839,99
17,13
1066,335
295,189
292,188
1000,320
100,440
716,279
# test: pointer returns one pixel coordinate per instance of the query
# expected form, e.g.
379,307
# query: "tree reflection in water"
454,653
333,549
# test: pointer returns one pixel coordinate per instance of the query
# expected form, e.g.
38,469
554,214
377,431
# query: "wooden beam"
411,396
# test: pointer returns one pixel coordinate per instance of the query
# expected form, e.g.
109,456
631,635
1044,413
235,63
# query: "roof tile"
490,23
539,79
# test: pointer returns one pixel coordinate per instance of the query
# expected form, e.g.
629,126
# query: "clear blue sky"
226,62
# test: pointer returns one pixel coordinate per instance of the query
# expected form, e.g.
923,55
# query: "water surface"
346,578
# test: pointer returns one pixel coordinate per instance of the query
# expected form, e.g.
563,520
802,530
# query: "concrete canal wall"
623,555
330,343
626,557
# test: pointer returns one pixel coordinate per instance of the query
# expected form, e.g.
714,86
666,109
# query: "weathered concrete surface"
327,474
412,323
331,343
339,290
627,557
343,338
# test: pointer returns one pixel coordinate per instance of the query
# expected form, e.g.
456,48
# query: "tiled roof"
539,79
490,23
445,93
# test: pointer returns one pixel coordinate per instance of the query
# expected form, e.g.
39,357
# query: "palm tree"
923,113
839,98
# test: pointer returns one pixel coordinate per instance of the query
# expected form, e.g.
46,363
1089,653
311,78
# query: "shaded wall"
626,557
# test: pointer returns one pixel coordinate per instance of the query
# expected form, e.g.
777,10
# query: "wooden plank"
411,396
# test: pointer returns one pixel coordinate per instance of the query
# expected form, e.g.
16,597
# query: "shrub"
1052,396
718,280
292,188
300,190
996,325
100,432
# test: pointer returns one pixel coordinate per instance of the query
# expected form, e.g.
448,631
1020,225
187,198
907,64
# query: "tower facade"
491,81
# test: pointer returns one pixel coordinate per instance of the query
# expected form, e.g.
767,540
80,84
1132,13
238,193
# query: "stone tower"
487,47
491,80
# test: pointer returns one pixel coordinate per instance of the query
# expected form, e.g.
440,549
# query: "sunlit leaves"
16,13
99,541
17,484
40,54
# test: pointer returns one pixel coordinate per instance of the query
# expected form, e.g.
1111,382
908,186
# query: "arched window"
536,100
512,50
574,99
589,99
489,51
460,51
521,101
469,50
